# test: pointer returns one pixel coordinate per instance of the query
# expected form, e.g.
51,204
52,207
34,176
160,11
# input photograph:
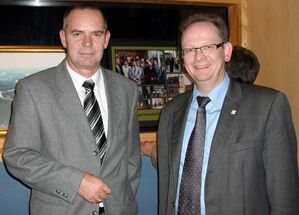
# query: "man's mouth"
86,54
201,66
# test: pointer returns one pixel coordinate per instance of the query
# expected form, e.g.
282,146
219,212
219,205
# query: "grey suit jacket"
252,168
50,145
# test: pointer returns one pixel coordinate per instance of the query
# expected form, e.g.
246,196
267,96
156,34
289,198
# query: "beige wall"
272,30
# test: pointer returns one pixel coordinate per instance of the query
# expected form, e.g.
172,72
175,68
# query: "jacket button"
94,213
58,192
172,204
95,153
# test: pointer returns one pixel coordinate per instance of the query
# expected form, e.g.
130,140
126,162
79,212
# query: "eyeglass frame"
200,48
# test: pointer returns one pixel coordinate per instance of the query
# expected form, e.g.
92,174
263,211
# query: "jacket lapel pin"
233,112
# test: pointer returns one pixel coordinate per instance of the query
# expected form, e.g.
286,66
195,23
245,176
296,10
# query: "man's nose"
199,54
87,41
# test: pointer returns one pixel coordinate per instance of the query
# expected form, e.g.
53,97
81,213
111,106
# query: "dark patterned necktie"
189,196
93,114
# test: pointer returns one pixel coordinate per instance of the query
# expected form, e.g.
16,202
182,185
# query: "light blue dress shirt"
213,109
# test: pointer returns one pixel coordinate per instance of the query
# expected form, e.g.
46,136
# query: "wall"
272,33
14,197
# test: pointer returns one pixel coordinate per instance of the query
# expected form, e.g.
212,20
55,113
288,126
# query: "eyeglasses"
206,49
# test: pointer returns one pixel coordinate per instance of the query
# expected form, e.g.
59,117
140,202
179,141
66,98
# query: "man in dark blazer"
50,146
118,67
249,164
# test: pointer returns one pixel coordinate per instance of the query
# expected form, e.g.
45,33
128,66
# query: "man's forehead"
81,16
202,24
85,11
201,28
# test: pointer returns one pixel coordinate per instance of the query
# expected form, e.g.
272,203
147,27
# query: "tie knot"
89,84
203,101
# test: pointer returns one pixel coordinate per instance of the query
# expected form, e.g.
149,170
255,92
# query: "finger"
106,189
104,195
98,199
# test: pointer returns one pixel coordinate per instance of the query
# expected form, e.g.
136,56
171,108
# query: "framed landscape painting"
157,73
18,62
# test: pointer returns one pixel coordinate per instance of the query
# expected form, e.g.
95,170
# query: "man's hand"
93,189
148,147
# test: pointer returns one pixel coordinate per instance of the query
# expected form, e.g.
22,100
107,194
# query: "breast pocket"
242,146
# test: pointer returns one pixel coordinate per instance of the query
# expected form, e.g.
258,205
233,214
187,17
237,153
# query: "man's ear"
107,38
62,37
228,49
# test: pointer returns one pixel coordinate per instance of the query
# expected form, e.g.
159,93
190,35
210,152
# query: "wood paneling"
272,31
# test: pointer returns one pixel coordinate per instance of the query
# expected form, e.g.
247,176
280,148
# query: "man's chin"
88,68
89,65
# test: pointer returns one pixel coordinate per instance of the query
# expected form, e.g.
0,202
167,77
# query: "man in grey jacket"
51,144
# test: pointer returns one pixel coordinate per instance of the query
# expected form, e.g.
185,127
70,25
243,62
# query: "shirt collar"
216,95
78,79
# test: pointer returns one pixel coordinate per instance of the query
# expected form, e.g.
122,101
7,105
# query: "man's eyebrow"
75,30
80,31
99,31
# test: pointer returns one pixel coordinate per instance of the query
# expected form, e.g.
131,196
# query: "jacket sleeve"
280,159
24,153
134,150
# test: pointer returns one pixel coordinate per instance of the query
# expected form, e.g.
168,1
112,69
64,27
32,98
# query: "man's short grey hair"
83,6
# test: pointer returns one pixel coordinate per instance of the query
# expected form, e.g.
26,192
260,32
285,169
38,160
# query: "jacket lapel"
229,110
69,100
114,103
179,118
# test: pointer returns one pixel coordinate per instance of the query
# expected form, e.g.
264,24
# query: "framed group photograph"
157,73
18,62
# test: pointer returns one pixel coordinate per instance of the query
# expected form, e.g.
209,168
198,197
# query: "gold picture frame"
21,61
3,133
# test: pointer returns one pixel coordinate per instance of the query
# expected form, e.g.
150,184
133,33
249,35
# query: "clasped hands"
93,189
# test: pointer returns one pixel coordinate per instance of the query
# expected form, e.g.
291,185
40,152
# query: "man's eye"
98,34
207,47
77,34
189,50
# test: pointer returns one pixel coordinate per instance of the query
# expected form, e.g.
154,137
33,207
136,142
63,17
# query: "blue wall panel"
14,196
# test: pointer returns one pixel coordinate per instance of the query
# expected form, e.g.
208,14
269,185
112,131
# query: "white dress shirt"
99,91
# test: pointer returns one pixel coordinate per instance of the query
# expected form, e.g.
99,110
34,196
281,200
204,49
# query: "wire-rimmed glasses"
206,49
